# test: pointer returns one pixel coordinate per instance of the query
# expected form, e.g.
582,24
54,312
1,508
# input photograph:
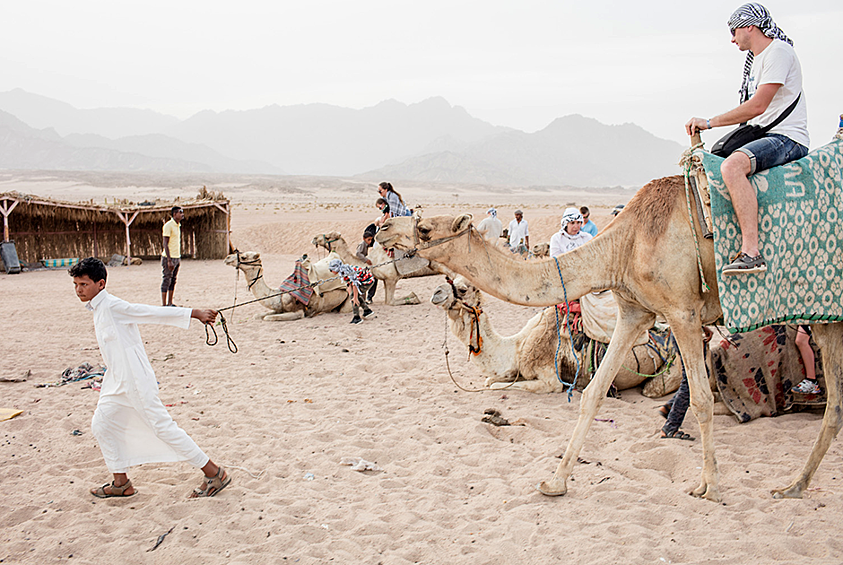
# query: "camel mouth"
442,297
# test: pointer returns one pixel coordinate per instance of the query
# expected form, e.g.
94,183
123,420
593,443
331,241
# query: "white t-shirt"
562,242
517,232
778,64
491,228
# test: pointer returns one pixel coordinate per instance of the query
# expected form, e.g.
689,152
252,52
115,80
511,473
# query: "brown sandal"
116,492
212,485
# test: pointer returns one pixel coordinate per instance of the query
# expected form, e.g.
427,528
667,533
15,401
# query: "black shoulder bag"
739,137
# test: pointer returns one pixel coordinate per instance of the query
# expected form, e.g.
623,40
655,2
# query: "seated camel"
329,297
389,274
526,360
541,250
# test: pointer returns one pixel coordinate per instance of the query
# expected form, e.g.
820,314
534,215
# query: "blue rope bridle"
559,338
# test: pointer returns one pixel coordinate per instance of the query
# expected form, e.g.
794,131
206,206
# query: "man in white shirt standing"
772,82
519,235
490,226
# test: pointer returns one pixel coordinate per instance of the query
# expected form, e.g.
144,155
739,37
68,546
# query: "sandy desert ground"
300,396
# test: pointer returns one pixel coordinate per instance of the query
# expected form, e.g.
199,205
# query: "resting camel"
326,298
526,360
647,256
388,274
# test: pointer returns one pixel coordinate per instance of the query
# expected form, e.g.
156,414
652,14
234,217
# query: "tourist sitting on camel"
383,206
570,235
396,203
771,89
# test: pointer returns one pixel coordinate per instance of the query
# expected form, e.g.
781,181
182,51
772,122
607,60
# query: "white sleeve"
128,313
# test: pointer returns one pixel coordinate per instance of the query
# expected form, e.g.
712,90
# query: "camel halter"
474,311
433,243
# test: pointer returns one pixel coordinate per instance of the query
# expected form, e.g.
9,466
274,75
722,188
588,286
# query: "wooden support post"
227,212
5,209
128,239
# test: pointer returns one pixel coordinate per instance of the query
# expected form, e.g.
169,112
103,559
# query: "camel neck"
498,272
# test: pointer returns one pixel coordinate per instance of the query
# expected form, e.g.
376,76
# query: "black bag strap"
782,116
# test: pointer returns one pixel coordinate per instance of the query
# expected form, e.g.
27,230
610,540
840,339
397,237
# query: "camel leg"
389,291
534,385
830,339
284,316
631,322
687,330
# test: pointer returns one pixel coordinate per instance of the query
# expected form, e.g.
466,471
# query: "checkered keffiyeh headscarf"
570,215
754,14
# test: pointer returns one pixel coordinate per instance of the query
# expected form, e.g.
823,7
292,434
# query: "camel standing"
647,256
327,298
388,274
527,360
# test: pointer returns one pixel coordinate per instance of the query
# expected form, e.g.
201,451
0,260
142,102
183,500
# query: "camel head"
449,295
326,239
541,250
401,232
238,260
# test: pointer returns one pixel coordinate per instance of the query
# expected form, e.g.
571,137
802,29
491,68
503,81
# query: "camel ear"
461,222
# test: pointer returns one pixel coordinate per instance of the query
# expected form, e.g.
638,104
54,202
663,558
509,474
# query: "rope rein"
686,162
233,346
570,337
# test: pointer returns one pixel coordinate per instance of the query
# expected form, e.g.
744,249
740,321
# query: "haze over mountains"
427,141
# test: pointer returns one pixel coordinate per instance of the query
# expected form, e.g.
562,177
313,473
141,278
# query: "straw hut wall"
48,229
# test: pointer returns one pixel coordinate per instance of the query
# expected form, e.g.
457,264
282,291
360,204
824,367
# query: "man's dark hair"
174,209
583,210
91,267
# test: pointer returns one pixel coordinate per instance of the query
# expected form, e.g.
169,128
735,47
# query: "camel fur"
388,274
326,298
647,256
524,361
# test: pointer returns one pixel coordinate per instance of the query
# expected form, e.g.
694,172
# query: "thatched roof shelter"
50,229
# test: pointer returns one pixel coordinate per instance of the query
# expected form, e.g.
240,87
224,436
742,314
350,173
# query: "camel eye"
461,290
424,233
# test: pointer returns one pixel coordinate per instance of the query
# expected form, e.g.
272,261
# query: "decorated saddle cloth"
755,371
800,231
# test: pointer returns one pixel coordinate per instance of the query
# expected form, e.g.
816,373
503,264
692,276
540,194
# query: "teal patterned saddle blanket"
800,229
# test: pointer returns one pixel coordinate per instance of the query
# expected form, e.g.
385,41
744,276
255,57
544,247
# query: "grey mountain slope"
330,140
572,150
162,146
42,112
23,147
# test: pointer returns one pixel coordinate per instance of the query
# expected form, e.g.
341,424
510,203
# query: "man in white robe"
130,423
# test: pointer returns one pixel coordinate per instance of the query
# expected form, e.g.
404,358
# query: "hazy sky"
520,64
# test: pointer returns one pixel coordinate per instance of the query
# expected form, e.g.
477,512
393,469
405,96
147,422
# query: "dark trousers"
371,293
168,277
361,296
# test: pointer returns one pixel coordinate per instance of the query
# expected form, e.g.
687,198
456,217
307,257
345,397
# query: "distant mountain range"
427,141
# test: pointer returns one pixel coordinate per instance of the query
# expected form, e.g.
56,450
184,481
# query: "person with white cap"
570,235
519,234
490,226
771,89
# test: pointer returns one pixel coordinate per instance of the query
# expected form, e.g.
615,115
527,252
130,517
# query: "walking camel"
647,256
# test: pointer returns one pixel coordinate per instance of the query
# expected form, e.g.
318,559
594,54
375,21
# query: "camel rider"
772,82
570,235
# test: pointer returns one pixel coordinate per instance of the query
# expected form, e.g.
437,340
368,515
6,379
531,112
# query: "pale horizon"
655,63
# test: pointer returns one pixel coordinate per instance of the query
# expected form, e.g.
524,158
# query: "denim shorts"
772,150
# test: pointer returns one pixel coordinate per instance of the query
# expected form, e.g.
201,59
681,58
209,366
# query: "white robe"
130,423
